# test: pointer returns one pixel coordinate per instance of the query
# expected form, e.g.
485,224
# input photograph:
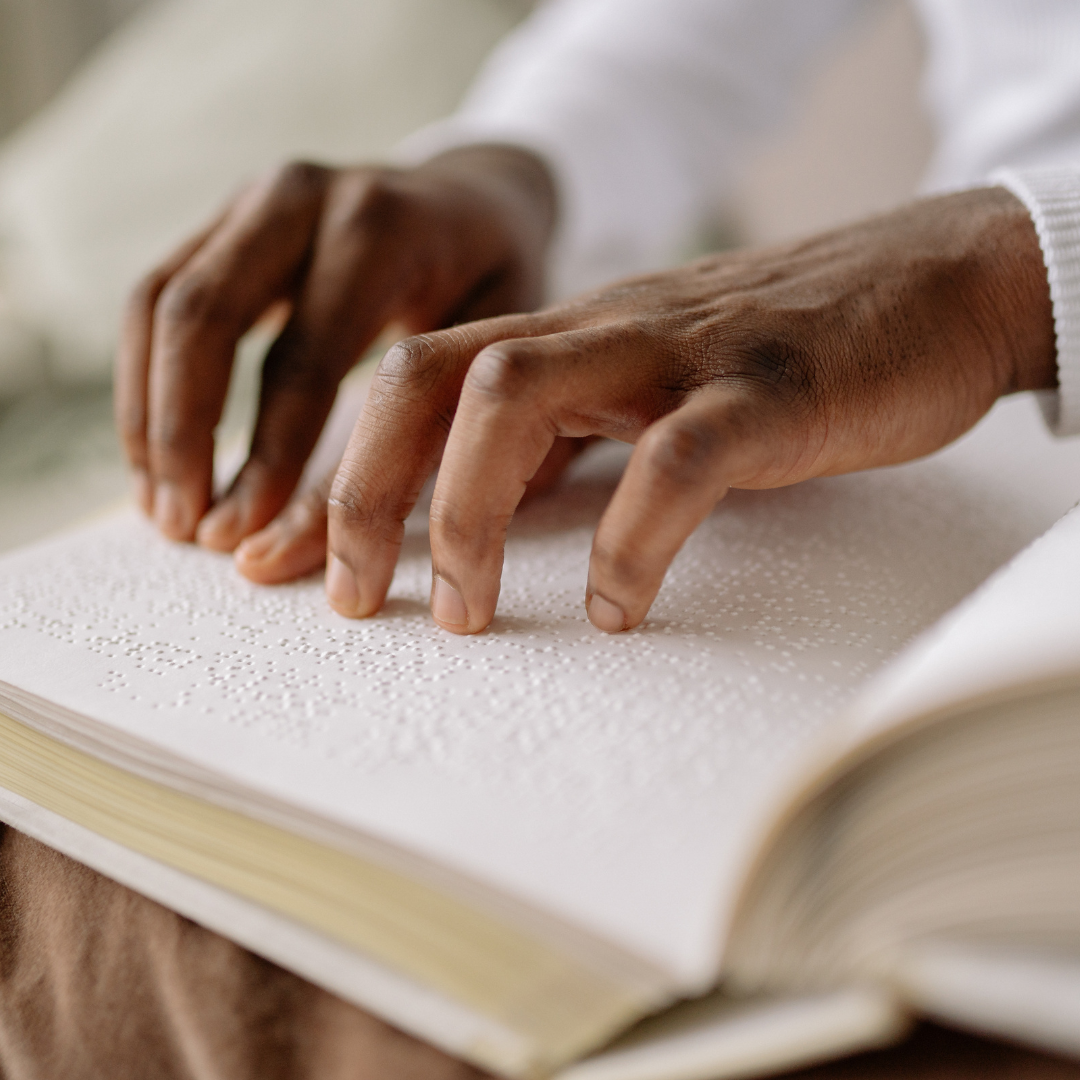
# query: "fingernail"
605,615
447,605
170,513
143,490
218,529
257,546
341,588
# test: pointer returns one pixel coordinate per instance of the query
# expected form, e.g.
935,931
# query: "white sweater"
642,109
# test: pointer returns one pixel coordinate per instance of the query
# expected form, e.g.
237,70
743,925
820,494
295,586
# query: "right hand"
346,251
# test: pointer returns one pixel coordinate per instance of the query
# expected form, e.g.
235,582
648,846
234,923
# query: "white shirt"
643,109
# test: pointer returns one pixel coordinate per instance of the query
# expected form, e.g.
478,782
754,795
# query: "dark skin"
196,1005
344,252
870,345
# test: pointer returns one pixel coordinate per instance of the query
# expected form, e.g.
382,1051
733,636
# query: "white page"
610,780
1021,628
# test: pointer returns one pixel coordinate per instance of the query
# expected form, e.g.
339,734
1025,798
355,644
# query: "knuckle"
414,365
171,439
144,294
190,300
778,364
770,360
682,451
470,537
371,201
130,420
620,567
445,526
353,508
297,179
505,371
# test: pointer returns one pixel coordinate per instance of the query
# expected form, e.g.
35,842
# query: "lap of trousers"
100,983
97,981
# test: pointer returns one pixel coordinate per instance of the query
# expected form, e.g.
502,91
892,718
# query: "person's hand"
344,252
870,345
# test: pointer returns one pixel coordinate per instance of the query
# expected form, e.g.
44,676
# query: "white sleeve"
1052,196
641,108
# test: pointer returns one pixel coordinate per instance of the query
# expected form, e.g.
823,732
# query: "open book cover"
520,845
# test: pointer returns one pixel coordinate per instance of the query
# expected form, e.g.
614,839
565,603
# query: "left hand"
342,253
870,345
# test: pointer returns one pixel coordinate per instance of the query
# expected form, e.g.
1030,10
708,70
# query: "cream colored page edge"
1028,995
125,754
558,1007
727,1039
417,1010
897,702
756,1040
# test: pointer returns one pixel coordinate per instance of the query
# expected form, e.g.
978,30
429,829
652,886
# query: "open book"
518,845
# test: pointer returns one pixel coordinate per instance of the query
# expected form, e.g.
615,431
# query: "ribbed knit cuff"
1052,197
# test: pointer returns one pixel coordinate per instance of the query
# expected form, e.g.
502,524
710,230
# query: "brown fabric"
934,1053
99,982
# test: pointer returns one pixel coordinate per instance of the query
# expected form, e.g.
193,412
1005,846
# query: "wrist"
515,183
1018,306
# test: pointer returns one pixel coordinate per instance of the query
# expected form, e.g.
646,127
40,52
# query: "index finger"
394,448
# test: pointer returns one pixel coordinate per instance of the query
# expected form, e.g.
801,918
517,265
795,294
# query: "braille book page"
614,782
1021,629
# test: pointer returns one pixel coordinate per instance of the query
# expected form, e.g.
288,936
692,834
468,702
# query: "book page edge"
754,1037
397,1000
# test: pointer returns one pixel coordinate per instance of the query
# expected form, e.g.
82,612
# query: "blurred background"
41,44
125,123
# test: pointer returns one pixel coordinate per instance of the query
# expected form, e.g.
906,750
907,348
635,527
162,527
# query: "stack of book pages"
832,783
